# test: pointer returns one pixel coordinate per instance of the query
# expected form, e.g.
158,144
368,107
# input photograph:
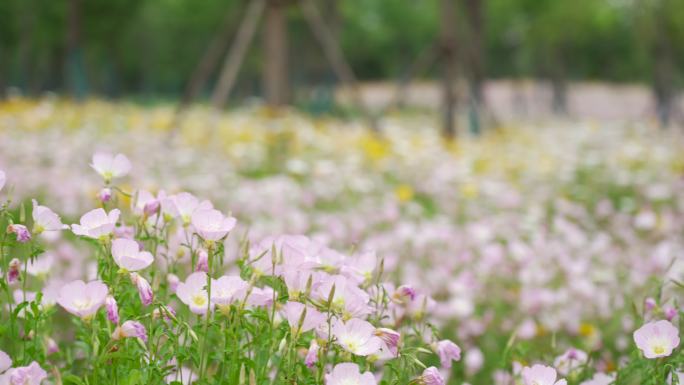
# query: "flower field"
262,247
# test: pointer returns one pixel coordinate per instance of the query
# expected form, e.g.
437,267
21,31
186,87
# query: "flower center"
659,349
199,299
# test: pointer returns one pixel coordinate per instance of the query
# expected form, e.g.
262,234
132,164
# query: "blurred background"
505,59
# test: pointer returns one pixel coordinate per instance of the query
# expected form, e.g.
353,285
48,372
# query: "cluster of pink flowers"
169,273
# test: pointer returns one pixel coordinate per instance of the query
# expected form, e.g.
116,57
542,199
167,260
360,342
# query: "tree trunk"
448,48
275,51
663,69
236,55
75,66
208,62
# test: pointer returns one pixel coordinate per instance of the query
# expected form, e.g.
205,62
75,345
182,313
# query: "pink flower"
448,351
144,289
130,329
22,233
293,312
192,292
312,354
13,271
109,166
349,373
670,312
5,361
261,297
81,299
390,338
404,294
26,375
45,219
348,299
112,309
3,179
211,225
541,375
40,266
657,339
600,379
146,203
357,336
127,255
183,205
570,360
97,224
431,376
227,289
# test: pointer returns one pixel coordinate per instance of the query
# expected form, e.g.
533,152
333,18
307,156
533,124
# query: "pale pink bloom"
185,376
183,205
192,292
227,289
128,256
293,311
13,271
447,352
5,361
657,339
357,336
22,233
211,224
390,339
541,375
96,223
109,166
45,219
474,359
3,179
130,329
348,299
81,299
569,361
105,195
296,281
312,354
145,203
26,375
144,289
261,297
348,373
112,309
431,376
40,266
360,268
600,379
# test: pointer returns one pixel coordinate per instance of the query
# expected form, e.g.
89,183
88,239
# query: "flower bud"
390,338
447,352
312,354
112,310
151,207
130,329
22,233
105,195
202,261
431,376
404,294
13,271
144,289
649,304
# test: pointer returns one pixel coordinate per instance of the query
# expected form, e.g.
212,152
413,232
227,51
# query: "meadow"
270,247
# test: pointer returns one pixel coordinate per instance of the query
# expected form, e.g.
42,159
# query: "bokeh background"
613,59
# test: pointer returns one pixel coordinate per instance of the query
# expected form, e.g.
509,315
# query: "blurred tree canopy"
152,46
